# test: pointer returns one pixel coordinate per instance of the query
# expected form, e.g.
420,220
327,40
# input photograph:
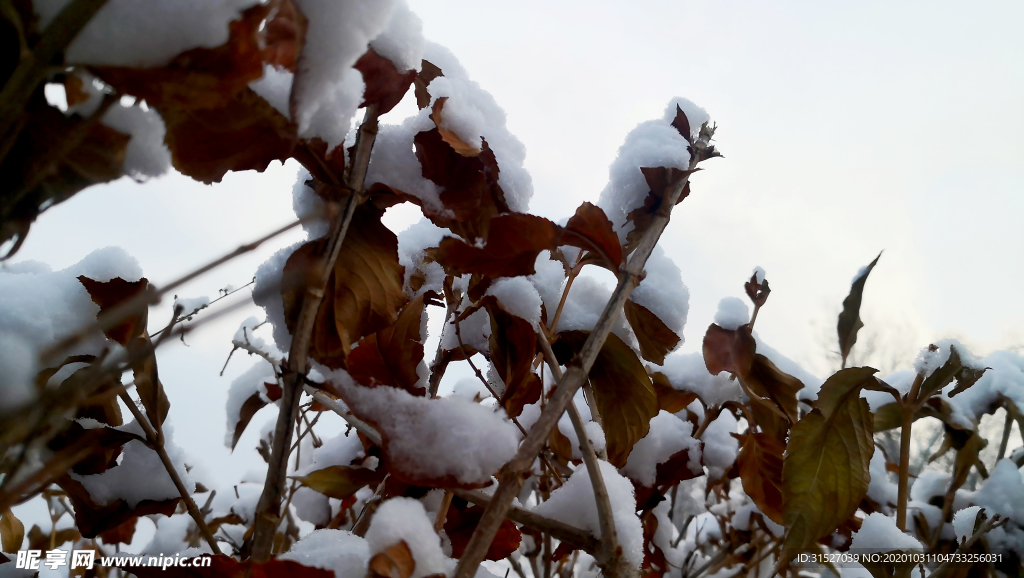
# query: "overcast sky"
847,128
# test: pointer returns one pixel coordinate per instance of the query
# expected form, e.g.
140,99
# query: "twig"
516,566
157,444
511,475
1007,427
442,512
990,524
610,557
561,531
267,509
908,408
189,316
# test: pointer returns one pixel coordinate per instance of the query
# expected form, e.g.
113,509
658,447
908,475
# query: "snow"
1004,379
1003,492
695,115
759,275
395,164
928,360
469,388
402,40
574,503
732,313
139,462
880,488
245,333
146,155
517,296
341,450
475,330
688,372
327,90
275,86
929,484
41,306
434,438
242,388
412,243
309,207
584,305
189,305
596,436
663,292
159,29
878,533
720,447
404,519
668,435
963,522
654,143
342,552
267,294
548,281
472,114
311,506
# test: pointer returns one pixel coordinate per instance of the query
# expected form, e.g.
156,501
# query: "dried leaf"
392,355
773,391
682,124
12,532
825,470
121,534
760,468
93,519
460,524
428,72
449,136
655,338
513,243
108,294
395,561
954,368
591,230
364,291
147,381
671,399
385,84
513,347
757,292
39,540
661,180
341,481
622,389
252,404
729,350
849,318
283,35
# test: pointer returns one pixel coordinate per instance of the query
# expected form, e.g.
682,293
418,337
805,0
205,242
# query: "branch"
438,366
610,556
986,526
511,475
156,442
268,509
579,539
908,407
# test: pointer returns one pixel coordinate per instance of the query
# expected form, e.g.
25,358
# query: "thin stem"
1007,428
156,442
511,475
438,366
268,507
560,531
565,293
986,527
442,512
908,409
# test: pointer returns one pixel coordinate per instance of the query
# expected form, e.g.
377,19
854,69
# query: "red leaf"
590,229
283,35
460,524
121,534
108,294
513,347
392,355
513,243
428,72
385,84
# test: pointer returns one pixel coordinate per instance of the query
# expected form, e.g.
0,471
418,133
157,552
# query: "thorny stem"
908,408
156,442
610,551
268,508
511,475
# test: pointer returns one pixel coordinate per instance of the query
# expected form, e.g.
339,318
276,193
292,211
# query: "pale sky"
847,128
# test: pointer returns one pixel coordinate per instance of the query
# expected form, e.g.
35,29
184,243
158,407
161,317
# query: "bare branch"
511,476
986,526
561,531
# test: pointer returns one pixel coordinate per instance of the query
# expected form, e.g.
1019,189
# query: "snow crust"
548,281
878,533
517,296
584,305
395,164
340,450
574,503
1003,492
339,551
405,519
668,436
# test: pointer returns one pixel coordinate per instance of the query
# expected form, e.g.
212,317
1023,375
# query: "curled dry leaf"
283,35
395,561
449,136
513,242
655,338
591,230
460,524
670,399
954,368
12,532
93,519
760,468
392,355
428,72
513,347
622,389
682,124
773,395
849,318
661,180
121,534
250,406
341,481
825,469
363,293
385,84
757,292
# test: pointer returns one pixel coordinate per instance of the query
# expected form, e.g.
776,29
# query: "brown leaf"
760,468
108,294
655,338
252,404
341,481
849,318
147,381
395,561
513,347
825,470
392,355
428,72
385,84
121,534
954,368
92,519
460,524
283,35
364,291
470,194
660,180
757,292
729,350
449,136
74,93
591,230
560,445
105,444
670,399
513,243
12,532
207,78
623,391
676,469
774,391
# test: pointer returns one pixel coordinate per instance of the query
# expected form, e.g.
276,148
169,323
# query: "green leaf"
825,470
849,318
340,481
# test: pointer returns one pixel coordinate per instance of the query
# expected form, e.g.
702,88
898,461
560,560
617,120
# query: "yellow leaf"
12,532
